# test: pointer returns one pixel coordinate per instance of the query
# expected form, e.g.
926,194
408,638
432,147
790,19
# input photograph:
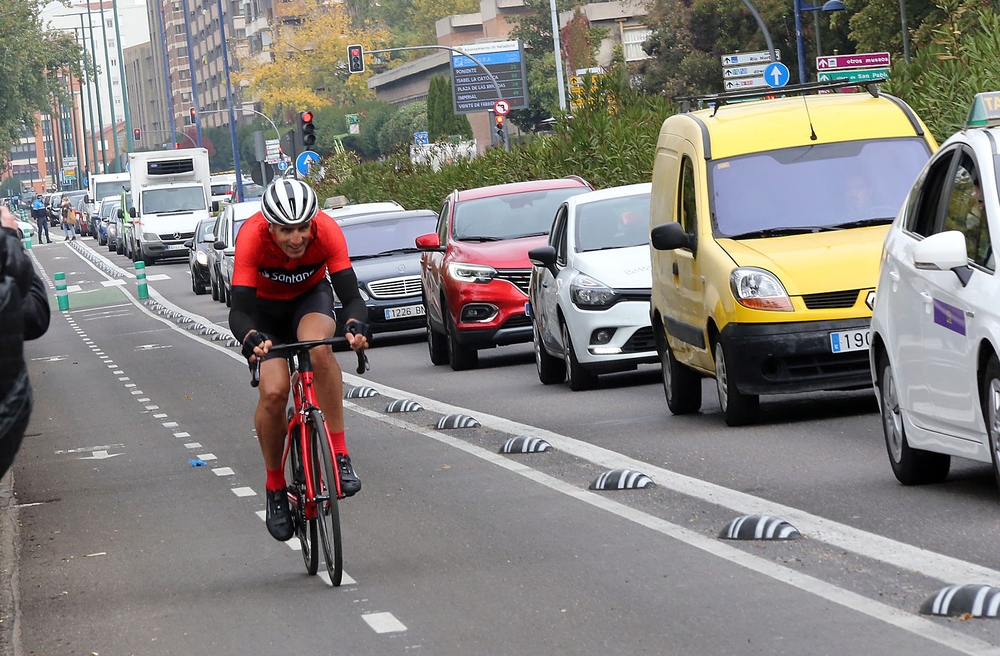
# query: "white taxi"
936,323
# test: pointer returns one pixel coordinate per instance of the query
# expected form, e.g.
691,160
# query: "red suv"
475,268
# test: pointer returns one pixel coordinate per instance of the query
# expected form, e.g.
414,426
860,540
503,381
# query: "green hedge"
610,141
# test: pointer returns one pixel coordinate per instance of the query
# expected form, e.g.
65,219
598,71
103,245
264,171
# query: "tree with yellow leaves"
308,67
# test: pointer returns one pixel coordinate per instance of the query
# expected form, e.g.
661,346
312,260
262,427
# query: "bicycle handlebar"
363,364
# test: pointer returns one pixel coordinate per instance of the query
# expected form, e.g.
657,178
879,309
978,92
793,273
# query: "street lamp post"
229,101
801,6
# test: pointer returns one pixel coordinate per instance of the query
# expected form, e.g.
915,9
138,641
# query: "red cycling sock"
275,480
339,444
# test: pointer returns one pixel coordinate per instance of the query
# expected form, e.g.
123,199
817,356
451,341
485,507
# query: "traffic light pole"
496,85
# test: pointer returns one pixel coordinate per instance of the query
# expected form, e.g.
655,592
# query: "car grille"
640,341
181,236
805,367
517,277
395,287
517,321
831,300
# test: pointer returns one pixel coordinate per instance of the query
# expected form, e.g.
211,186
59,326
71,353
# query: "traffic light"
194,115
355,59
500,136
136,133
306,128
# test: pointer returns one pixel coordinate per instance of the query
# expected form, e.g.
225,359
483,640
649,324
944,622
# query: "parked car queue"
761,292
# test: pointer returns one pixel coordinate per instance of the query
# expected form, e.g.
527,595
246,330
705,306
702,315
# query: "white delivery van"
171,190
102,185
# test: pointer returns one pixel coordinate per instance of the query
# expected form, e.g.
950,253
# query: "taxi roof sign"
985,110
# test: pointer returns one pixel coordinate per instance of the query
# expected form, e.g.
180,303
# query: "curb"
9,569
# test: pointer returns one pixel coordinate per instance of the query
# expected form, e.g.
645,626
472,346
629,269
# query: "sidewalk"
8,566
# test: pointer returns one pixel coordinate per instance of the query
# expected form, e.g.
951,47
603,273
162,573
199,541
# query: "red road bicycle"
310,463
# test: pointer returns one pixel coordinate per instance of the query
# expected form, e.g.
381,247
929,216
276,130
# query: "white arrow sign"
100,455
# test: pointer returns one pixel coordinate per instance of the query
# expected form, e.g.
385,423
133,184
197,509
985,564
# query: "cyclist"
281,294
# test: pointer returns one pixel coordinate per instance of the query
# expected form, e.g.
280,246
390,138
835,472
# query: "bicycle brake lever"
363,365
255,373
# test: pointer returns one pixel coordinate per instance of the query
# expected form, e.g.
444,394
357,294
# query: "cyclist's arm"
241,322
345,284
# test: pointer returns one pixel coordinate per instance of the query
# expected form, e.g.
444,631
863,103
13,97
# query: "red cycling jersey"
260,264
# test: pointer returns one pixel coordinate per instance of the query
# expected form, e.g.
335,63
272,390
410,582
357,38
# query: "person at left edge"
280,295
24,314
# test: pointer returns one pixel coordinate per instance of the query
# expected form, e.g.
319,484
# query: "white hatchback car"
590,286
935,334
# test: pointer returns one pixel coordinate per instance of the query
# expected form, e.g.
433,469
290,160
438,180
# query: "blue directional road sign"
776,74
282,165
308,157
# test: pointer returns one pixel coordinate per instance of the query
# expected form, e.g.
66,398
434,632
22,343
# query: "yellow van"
767,220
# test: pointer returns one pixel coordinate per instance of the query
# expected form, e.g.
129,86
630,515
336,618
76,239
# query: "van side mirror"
188,245
545,257
219,245
86,199
944,251
119,214
670,236
215,206
132,212
429,242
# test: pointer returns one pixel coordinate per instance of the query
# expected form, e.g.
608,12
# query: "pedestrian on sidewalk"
68,219
42,219
24,314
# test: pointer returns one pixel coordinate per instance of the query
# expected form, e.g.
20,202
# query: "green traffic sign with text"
858,75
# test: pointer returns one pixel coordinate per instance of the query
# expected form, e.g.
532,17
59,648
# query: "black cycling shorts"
279,320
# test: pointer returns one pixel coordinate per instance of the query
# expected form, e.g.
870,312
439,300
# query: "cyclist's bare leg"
269,418
329,380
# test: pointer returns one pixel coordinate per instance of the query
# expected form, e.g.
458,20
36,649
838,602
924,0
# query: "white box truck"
171,190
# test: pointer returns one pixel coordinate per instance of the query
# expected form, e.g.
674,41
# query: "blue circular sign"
282,165
776,74
305,159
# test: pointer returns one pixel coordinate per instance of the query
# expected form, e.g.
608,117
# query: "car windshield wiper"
480,238
392,251
532,234
777,232
861,223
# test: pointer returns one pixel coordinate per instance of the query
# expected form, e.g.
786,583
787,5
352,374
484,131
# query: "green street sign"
856,75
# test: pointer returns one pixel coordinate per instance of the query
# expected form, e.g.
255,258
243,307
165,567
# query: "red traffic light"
355,52
306,117
136,133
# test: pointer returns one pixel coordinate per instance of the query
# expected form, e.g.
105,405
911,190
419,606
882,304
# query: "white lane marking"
345,578
193,445
850,600
223,471
170,424
152,407
160,415
117,372
871,545
127,385
114,366
182,434
243,491
157,276
383,622
112,283
124,378
262,514
136,391
207,456
81,449
73,288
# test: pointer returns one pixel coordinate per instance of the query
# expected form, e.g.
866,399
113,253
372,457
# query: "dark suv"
475,268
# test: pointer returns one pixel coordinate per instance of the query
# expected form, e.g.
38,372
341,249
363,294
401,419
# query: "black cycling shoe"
279,516
350,484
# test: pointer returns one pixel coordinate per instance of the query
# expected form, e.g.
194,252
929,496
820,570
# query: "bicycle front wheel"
304,529
328,514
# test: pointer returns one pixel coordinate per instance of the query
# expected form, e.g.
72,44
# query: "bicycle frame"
304,401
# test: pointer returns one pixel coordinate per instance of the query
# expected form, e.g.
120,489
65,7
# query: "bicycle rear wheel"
304,529
328,513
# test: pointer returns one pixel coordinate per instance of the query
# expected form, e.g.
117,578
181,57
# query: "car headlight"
758,289
201,258
150,236
471,272
591,294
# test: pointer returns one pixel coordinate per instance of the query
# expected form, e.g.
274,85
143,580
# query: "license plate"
850,340
175,247
404,312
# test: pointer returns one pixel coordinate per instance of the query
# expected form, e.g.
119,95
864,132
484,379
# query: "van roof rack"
719,99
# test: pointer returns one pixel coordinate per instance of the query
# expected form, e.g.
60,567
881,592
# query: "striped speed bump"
963,601
759,527
622,479
525,444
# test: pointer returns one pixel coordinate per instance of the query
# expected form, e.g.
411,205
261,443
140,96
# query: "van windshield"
174,199
110,188
813,188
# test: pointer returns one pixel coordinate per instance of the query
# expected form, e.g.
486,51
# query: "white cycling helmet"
289,202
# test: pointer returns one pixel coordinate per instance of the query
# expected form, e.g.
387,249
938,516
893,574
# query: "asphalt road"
452,548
